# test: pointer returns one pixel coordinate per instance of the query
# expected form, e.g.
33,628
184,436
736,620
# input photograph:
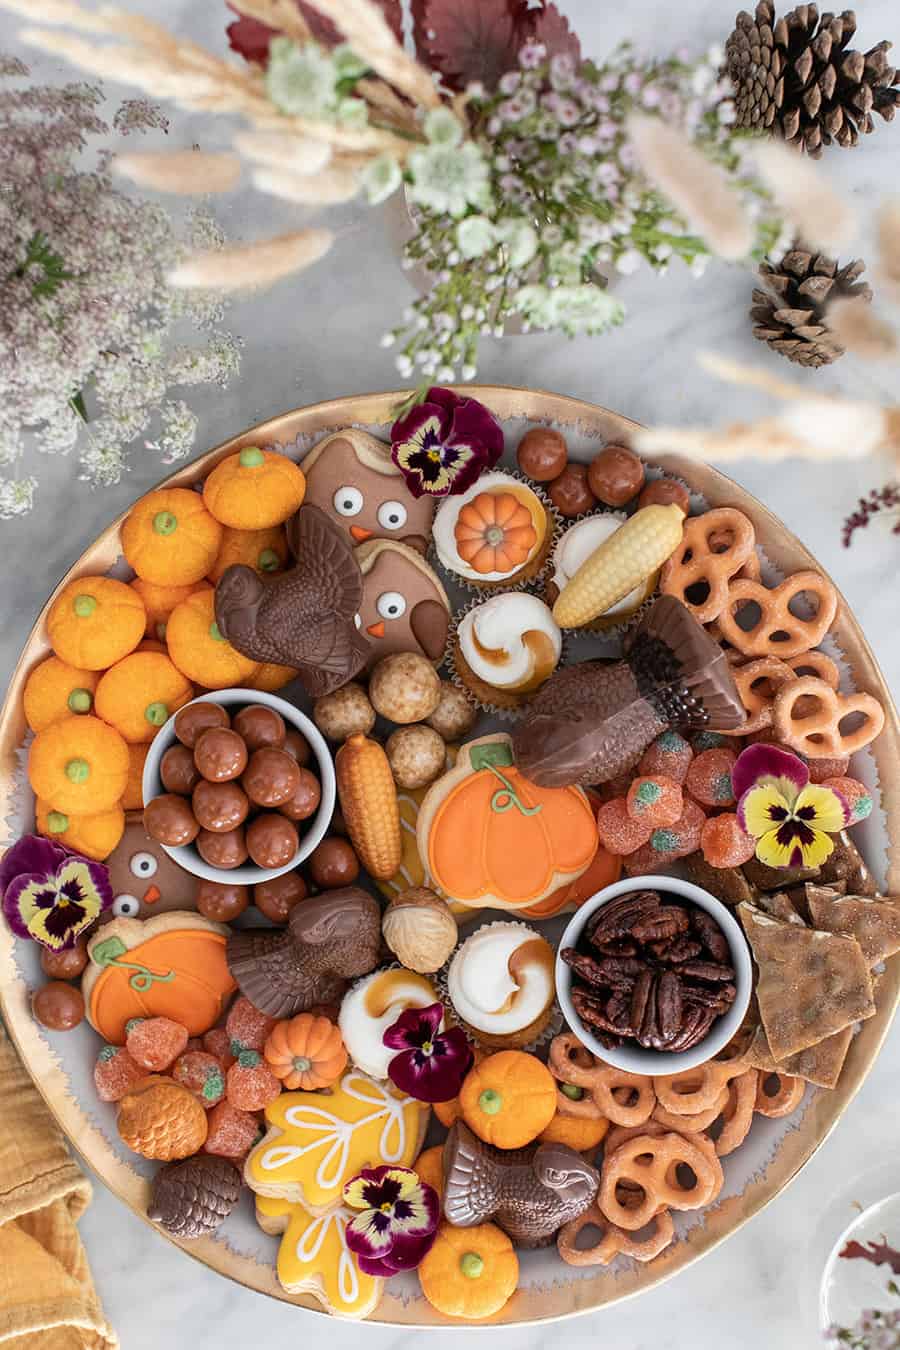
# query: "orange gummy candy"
232,1133
250,1084
115,1072
247,1027
655,800
202,1074
155,1042
724,843
708,778
618,830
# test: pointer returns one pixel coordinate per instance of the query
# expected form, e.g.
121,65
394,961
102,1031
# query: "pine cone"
790,314
191,1198
798,78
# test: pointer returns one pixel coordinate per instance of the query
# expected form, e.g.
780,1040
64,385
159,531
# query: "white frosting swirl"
372,1006
577,545
501,978
443,529
512,641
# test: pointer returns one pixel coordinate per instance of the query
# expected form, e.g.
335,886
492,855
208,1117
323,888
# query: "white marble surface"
317,337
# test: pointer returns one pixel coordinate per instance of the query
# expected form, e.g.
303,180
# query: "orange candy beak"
376,629
151,895
359,534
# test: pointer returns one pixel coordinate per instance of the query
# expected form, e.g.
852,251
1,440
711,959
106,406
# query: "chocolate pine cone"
192,1198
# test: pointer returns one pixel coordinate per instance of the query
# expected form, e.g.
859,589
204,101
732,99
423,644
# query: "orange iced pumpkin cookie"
170,538
198,648
159,601
140,693
94,836
470,1272
254,489
508,1099
55,690
489,837
79,764
95,621
133,796
170,966
266,551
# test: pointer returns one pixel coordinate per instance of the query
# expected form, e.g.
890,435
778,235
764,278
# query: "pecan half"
697,1022
719,999
592,1012
667,922
616,919
710,934
641,995
617,947
669,1004
713,972
671,951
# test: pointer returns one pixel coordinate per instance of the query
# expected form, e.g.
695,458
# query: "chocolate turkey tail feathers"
470,1179
682,670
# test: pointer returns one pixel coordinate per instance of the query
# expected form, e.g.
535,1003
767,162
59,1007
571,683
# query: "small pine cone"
790,314
191,1198
798,77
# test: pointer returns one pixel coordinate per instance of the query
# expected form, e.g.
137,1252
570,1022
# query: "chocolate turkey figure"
351,477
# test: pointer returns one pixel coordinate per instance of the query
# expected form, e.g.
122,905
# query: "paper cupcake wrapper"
483,705
555,1022
516,583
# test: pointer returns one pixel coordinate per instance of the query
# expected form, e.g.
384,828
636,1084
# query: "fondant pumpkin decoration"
93,836
254,489
313,1257
170,966
508,1099
198,648
470,1272
266,551
270,678
79,764
133,796
95,621
170,538
489,837
306,1052
140,693
159,601
449,1112
55,690
495,532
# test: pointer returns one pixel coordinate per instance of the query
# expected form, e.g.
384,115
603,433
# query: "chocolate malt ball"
333,864
616,475
219,806
260,725
223,851
271,777
272,840
58,1006
220,755
221,901
542,454
170,820
196,718
571,492
277,897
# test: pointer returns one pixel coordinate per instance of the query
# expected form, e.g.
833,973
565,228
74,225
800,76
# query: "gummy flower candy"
50,894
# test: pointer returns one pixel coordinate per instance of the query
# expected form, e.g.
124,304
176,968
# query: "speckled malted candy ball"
404,687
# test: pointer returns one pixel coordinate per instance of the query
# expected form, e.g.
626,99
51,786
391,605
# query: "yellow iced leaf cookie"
317,1142
314,1258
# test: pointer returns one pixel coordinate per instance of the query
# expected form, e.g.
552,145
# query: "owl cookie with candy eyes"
144,879
350,476
404,606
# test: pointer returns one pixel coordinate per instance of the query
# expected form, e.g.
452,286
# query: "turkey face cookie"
404,606
373,1005
145,881
316,1142
314,1258
172,966
350,476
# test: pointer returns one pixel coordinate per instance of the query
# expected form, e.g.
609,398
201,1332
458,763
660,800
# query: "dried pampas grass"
282,15
858,330
294,154
184,171
244,266
322,189
819,216
695,187
888,220
364,26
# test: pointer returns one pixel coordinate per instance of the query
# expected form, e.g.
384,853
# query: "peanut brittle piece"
728,884
820,1063
780,905
874,923
845,864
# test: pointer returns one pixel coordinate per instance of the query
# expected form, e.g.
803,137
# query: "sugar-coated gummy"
822,769
217,1042
619,832
708,778
203,1074
232,1133
247,1027
669,754
115,1072
724,843
655,800
155,1042
250,1084
857,795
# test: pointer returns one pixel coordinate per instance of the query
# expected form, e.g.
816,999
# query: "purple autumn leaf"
431,1064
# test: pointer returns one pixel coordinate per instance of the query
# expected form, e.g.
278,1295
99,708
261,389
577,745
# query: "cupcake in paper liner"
502,649
573,548
500,986
498,535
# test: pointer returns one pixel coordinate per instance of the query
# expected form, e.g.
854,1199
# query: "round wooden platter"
549,1290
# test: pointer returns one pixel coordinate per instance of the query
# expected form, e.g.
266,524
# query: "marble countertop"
317,337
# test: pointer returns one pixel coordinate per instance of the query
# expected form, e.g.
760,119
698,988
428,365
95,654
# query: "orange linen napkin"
47,1296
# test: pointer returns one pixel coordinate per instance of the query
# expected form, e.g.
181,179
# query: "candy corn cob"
622,562
368,797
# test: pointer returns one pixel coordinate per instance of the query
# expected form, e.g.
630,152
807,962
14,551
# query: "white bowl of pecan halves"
654,975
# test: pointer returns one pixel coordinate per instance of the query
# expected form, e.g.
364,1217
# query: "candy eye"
143,865
126,906
347,501
357,619
392,515
391,605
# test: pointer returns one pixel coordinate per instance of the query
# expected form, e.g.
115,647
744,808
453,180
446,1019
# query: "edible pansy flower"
790,818
444,443
397,1220
432,1063
50,894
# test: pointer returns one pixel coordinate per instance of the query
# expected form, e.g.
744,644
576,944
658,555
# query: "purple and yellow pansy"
50,894
444,443
431,1064
791,819
397,1219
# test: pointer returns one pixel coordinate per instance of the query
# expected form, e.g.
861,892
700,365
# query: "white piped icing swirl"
373,1005
511,641
501,978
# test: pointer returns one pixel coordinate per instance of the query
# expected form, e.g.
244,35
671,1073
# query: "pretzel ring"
758,682
784,1100
605,1085
713,548
798,635
614,1241
692,1124
652,1162
738,1112
817,733
816,663
694,1090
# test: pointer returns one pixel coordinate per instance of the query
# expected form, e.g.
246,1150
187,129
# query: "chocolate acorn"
591,722
330,939
303,618
192,1198
529,1192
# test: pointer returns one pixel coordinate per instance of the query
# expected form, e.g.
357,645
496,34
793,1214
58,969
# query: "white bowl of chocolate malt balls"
238,787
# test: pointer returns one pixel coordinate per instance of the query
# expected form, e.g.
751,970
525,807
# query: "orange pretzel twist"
784,1100
606,1086
797,635
816,663
695,1090
738,1113
673,1120
714,547
758,682
614,1241
651,1162
815,730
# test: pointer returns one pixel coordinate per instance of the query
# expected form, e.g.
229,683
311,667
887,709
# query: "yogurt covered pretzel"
807,715
798,635
714,548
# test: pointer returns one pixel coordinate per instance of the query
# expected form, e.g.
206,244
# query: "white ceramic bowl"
312,831
633,1057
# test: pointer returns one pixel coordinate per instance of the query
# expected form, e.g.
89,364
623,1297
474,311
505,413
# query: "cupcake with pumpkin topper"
498,533
502,649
